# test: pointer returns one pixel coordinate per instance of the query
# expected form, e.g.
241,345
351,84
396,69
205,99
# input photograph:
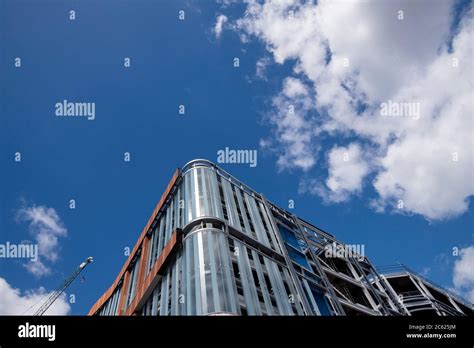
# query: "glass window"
298,257
110,307
132,287
289,237
320,301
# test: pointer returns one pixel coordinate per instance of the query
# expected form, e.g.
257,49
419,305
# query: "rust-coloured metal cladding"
121,304
141,240
146,286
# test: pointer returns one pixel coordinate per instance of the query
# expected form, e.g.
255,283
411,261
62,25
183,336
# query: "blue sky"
187,62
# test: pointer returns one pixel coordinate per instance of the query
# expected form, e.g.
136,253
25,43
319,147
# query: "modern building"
214,246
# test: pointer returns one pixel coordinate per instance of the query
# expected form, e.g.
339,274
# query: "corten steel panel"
142,270
139,242
146,286
123,294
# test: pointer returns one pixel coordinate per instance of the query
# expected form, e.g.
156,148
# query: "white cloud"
46,227
470,296
347,169
353,56
220,21
422,163
261,67
226,3
14,302
37,268
286,38
463,274
292,127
